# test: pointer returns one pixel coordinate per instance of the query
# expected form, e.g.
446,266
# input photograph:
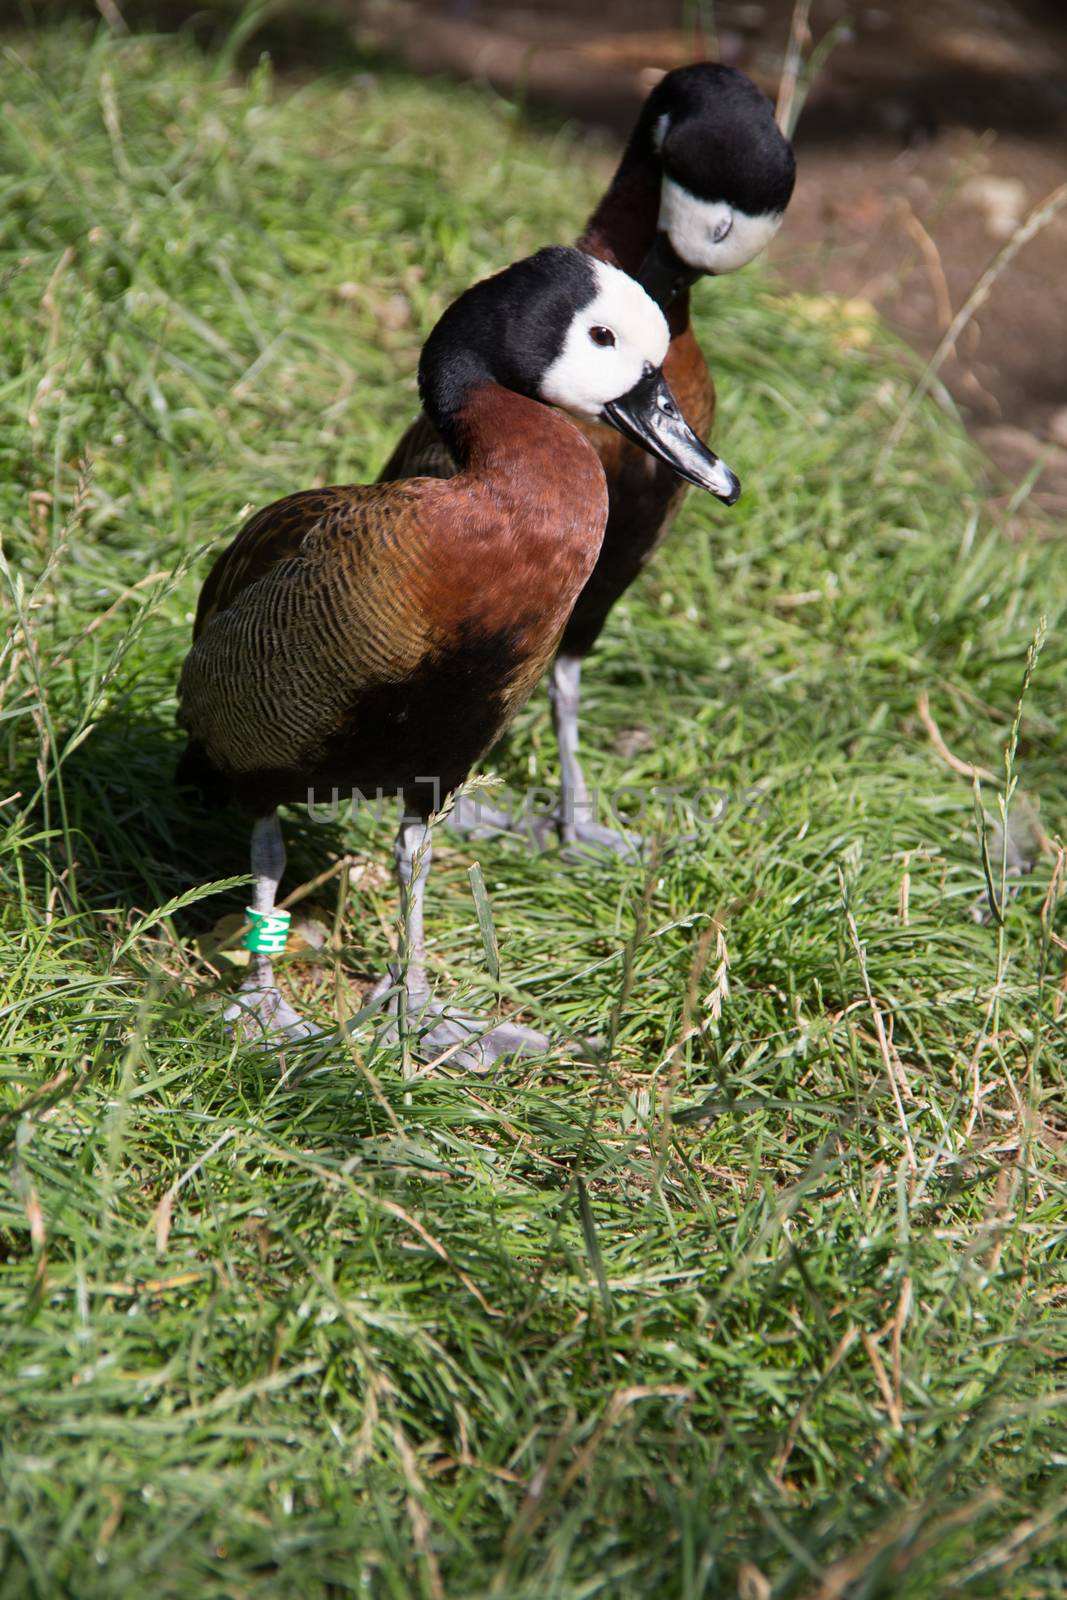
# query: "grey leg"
259,1005
268,870
565,693
575,819
480,1043
414,855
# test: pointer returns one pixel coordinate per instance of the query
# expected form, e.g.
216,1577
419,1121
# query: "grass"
771,1303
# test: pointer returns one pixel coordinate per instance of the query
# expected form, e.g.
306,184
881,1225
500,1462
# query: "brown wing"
421,453
274,534
317,600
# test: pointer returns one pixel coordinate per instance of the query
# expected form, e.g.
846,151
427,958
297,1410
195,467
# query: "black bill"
651,416
663,274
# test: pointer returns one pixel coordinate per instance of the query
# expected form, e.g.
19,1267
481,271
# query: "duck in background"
381,637
701,189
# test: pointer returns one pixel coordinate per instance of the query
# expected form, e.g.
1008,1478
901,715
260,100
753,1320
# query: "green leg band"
268,932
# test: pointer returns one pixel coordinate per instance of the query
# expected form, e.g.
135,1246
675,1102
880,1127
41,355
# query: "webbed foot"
438,1029
473,816
262,1016
582,837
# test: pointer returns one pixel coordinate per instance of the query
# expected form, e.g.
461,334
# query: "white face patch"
587,373
710,235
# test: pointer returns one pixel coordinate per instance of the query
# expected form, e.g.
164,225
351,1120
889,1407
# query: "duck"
380,637
701,189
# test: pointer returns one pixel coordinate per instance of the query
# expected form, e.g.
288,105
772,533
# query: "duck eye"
722,229
602,336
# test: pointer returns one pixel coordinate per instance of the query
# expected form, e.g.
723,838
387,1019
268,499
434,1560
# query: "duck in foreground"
701,189
381,637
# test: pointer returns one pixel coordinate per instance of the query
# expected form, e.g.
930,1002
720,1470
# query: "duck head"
727,175
566,329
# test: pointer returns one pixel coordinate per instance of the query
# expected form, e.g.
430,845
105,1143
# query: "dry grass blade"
799,38
966,769
1040,217
894,1071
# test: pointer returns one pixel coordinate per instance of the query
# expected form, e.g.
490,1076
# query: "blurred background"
927,132
929,129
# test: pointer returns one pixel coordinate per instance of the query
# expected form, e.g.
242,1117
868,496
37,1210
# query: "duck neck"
622,228
507,441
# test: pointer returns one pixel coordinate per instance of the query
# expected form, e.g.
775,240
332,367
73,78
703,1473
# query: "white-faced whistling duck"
701,189
379,638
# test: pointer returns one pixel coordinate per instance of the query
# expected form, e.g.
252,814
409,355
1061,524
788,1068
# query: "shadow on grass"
138,841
